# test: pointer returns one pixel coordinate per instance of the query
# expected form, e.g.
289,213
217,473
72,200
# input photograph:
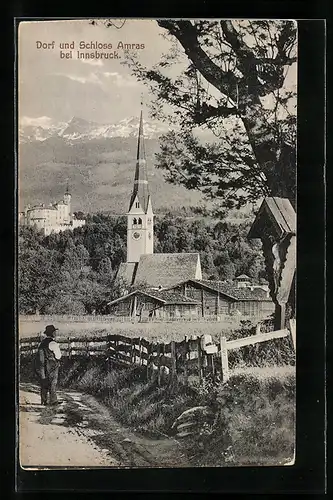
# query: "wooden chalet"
152,303
220,298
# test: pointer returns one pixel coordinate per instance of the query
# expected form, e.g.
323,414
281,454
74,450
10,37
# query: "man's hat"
49,330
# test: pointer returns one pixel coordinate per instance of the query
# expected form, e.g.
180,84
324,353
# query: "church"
170,285
143,267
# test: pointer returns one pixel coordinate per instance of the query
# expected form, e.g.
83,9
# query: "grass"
162,332
254,412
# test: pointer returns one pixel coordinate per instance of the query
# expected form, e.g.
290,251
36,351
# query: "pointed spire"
141,154
140,188
67,188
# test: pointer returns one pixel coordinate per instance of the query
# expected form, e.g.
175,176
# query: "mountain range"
98,161
78,129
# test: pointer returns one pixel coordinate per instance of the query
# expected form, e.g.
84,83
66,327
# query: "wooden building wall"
210,304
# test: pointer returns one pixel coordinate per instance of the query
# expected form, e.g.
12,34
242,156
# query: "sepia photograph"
156,172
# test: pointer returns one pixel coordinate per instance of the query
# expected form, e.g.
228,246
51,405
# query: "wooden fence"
197,356
226,318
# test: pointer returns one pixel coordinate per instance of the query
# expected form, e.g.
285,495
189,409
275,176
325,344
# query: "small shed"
243,280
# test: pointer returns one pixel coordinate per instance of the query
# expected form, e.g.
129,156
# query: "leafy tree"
231,81
38,272
65,304
74,272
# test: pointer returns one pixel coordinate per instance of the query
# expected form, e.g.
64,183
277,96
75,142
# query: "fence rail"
197,356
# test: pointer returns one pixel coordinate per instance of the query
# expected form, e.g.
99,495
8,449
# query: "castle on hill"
52,218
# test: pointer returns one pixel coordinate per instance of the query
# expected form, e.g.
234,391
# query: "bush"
255,420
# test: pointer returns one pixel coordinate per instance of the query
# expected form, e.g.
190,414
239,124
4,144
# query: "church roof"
140,188
126,272
167,269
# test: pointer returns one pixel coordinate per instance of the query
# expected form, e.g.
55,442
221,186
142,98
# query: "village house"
220,298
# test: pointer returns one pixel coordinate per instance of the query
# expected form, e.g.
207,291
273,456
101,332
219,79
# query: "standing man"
47,366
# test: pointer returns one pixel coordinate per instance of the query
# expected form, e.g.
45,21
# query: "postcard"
156,243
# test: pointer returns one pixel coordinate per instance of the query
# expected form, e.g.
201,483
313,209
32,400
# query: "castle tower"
67,196
67,202
140,237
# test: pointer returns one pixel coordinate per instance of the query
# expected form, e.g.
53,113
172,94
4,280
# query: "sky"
52,88
102,91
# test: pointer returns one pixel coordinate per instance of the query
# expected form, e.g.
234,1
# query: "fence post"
224,359
159,365
199,359
173,360
148,360
140,352
132,351
69,348
185,361
292,326
211,365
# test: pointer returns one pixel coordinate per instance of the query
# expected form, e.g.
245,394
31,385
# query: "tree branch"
187,36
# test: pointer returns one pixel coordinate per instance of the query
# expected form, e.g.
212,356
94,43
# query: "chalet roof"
229,290
280,212
242,276
169,297
164,297
233,291
167,269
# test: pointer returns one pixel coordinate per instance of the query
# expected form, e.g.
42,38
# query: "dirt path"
80,432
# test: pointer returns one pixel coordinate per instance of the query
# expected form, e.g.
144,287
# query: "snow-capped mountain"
78,129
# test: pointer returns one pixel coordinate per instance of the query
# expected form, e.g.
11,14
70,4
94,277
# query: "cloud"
91,78
41,121
120,80
93,62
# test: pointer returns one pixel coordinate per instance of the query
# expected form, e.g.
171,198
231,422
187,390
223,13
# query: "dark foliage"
73,272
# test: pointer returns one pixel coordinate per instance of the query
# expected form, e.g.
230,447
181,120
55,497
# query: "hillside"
98,161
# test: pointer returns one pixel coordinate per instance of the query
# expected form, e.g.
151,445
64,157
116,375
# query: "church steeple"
140,188
140,214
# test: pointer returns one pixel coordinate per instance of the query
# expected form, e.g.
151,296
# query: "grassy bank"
253,420
162,332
